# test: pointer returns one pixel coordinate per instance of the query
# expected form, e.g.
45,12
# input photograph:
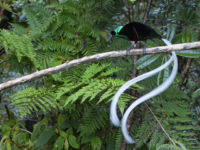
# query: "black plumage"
135,31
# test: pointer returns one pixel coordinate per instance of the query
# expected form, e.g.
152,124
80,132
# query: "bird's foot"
144,49
128,50
133,45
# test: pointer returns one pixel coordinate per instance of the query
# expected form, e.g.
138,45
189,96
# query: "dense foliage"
70,110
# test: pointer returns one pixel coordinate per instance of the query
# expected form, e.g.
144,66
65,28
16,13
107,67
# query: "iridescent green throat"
117,30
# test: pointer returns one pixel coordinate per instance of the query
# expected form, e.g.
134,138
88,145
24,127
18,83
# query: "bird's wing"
135,31
128,31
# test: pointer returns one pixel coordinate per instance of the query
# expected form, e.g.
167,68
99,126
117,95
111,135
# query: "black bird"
135,32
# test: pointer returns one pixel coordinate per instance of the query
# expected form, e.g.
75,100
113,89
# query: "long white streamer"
113,109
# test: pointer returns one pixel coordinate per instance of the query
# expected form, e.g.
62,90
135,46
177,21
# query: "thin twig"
183,74
160,124
1,12
2,51
25,131
147,11
1,61
7,111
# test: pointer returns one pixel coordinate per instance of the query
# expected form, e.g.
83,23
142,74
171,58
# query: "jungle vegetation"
69,110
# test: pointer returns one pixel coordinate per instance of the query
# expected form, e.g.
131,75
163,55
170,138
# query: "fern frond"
92,120
20,46
6,6
143,132
31,100
39,18
118,139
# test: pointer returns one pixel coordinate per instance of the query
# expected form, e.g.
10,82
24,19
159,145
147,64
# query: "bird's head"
116,31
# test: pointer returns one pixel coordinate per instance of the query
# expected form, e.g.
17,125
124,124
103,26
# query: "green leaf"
8,146
146,60
59,144
36,130
167,147
96,143
189,53
69,131
31,100
60,119
6,5
163,75
171,32
20,137
196,93
66,144
63,134
179,146
132,1
21,46
73,142
143,59
45,137
188,35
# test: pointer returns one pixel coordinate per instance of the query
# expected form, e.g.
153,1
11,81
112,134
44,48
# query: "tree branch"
147,11
96,57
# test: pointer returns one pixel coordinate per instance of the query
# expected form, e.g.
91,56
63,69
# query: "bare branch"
147,11
96,57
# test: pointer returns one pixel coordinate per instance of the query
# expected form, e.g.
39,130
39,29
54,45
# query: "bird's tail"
113,109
